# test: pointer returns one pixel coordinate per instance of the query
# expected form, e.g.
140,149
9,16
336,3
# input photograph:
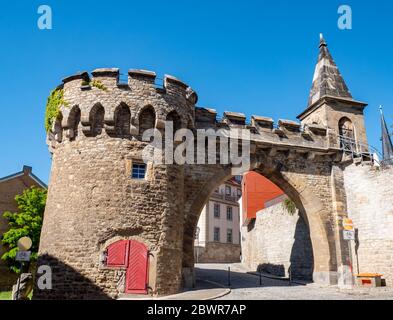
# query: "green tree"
27,222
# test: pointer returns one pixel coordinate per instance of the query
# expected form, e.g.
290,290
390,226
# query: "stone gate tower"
102,191
115,223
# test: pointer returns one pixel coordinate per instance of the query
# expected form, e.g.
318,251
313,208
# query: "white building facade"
218,233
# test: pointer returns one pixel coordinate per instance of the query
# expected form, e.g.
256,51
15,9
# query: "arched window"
74,122
122,120
346,128
147,119
175,118
347,135
96,116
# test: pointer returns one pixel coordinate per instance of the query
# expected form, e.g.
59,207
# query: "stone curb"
220,295
225,292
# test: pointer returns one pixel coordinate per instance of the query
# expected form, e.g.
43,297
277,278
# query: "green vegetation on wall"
53,104
289,206
95,83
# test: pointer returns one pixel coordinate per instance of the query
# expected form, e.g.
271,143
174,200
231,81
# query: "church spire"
327,78
387,147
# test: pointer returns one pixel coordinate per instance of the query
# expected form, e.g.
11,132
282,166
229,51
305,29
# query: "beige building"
11,186
218,232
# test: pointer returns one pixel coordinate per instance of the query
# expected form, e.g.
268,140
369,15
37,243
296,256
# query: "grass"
5,295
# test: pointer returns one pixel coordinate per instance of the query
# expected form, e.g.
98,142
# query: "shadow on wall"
67,284
302,259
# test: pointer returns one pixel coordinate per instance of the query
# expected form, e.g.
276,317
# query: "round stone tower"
105,202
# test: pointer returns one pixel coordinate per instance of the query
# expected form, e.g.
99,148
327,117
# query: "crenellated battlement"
98,103
266,133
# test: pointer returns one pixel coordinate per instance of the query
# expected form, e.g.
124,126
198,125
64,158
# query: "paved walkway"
212,283
247,287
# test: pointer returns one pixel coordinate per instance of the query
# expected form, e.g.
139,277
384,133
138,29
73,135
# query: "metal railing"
359,150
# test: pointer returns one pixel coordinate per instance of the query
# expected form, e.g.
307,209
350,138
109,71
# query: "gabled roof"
28,172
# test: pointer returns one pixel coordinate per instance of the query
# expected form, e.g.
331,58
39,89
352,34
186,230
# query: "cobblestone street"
246,286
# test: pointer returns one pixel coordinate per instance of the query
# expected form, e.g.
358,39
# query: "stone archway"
307,183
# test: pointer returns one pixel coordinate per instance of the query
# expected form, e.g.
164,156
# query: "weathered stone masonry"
93,202
370,205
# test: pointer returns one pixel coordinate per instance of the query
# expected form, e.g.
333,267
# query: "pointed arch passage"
122,120
96,118
147,119
57,128
175,118
74,120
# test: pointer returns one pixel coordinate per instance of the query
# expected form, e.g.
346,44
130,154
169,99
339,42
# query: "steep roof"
387,147
327,80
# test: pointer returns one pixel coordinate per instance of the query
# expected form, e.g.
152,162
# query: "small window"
216,210
229,213
138,171
217,234
228,190
229,236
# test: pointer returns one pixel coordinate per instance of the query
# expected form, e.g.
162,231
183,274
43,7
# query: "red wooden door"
137,268
118,254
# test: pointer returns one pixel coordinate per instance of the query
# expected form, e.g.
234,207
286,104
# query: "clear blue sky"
255,57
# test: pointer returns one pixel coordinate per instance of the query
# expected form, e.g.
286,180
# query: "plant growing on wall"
53,104
26,222
95,83
289,206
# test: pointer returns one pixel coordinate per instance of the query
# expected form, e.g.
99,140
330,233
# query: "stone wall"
218,253
277,240
370,206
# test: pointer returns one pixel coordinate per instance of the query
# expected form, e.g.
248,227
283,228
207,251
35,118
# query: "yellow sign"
348,224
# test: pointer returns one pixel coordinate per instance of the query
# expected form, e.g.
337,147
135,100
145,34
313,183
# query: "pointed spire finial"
322,42
387,146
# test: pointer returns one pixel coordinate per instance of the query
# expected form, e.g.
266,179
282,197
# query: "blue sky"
256,57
